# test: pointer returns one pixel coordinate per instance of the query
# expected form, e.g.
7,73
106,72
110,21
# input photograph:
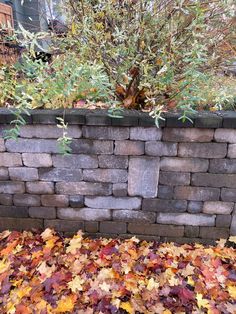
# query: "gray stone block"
202,150
49,131
64,225
186,219
192,193
40,187
174,178
6,199
222,166
228,195
223,221
214,233
60,174
83,188
126,148
134,216
91,226
32,146
145,134
191,231
86,146
187,135
113,162
165,192
120,189
87,214
10,160
156,229
4,174
23,174
42,212
194,207
222,208
26,200
106,175
112,202
106,133
13,211
154,148
75,161
55,200
2,145
20,224
160,205
37,160
184,164
214,180
113,227
225,135
231,151
233,226
76,201
7,187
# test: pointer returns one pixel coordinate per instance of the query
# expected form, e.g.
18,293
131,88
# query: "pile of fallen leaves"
47,273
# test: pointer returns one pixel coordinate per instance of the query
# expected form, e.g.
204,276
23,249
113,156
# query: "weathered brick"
76,201
23,174
186,219
26,200
223,221
111,202
222,166
84,214
174,178
145,134
13,211
20,224
191,231
134,216
187,135
143,176
165,192
75,161
85,146
225,135
10,160
202,150
106,175
184,164
214,180
129,148
106,133
184,240
5,199
60,174
48,131
7,187
64,225
193,193
91,226
155,229
113,227
2,145
37,160
32,146
218,208
154,148
160,205
214,233
148,238
83,188
40,187
195,207
55,200
111,161
233,226
4,174
42,212
228,195
120,189
231,151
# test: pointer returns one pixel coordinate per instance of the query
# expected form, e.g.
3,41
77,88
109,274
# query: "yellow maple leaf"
74,244
201,302
191,281
47,234
152,284
188,270
232,291
76,284
45,270
66,304
105,287
4,265
232,239
23,291
167,312
127,307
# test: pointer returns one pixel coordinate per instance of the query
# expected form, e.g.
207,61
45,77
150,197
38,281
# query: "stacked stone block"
175,183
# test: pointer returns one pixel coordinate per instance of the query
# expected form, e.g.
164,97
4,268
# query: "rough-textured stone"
184,164
155,229
75,161
5,199
165,192
228,195
37,160
48,131
2,146
7,187
222,166
193,193
214,180
26,200
160,205
23,174
191,231
106,133
20,224
214,233
223,221
111,202
32,146
13,211
154,148
208,120
145,134
84,214
218,208
120,189
233,226
86,146
10,160
174,178
98,119
76,201
4,174
113,227
64,225
106,175
40,187
55,200
42,212
129,148
187,135
232,151
225,135
194,207
83,188
60,174
111,161
186,219
143,176
134,215
91,226
202,150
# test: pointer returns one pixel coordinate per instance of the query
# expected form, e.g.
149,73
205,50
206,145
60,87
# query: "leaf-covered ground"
46,273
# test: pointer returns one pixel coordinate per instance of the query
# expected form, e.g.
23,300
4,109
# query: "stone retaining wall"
124,177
